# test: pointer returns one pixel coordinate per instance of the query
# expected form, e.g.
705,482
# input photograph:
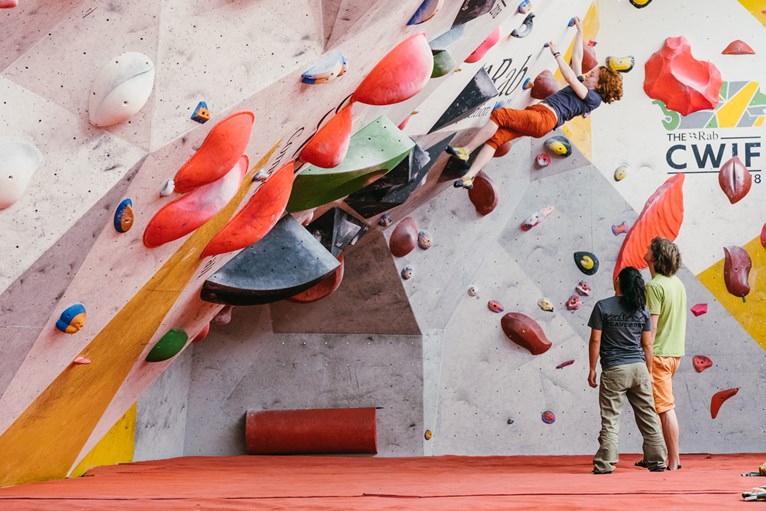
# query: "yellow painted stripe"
751,314
731,112
756,8
116,446
758,121
578,130
46,439
590,27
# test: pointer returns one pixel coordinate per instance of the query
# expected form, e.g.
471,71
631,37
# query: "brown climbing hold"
718,398
502,150
544,85
701,362
738,47
526,332
483,195
735,179
736,270
404,239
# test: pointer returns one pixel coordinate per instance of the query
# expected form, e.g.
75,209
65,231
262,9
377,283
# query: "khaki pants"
634,381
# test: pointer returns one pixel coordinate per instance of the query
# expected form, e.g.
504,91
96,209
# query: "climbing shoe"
466,183
458,152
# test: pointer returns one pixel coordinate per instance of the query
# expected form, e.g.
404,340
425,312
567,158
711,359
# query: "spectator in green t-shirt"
666,301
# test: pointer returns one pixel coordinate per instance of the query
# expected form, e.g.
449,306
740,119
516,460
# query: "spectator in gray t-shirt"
620,335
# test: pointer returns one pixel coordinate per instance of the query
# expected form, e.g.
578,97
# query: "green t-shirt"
666,297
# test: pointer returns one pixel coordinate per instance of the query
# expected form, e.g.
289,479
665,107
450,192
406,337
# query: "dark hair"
632,287
666,256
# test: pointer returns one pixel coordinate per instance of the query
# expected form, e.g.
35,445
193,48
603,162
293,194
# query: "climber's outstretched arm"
568,74
577,51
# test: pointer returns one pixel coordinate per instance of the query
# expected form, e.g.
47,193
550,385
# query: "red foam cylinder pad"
318,431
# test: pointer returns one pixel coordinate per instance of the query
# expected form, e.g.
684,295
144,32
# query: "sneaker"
466,183
458,152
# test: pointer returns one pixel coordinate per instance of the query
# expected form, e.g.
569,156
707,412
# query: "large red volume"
318,431
258,216
223,146
325,286
328,147
682,82
182,216
401,74
662,215
718,398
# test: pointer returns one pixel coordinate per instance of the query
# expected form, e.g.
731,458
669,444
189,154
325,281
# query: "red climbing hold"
222,148
701,362
525,332
182,216
699,309
484,47
736,270
662,215
202,333
682,82
735,179
325,286
589,58
404,238
763,232
328,147
401,74
258,216
545,85
738,47
718,398
483,195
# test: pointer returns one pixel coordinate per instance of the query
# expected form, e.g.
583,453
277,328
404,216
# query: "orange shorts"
534,121
663,369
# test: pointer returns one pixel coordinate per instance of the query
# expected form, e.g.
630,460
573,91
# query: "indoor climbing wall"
286,159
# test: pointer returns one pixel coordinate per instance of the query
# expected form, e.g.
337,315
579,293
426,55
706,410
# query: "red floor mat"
444,482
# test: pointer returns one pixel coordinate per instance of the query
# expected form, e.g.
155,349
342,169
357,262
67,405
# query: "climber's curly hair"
609,84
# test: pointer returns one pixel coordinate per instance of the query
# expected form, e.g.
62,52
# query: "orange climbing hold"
718,398
662,215
258,216
401,74
221,150
484,47
328,147
184,215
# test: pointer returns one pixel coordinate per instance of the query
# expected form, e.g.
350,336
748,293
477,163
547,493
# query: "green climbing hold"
374,150
168,346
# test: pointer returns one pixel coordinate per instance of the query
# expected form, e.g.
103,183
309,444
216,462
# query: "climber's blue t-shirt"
568,105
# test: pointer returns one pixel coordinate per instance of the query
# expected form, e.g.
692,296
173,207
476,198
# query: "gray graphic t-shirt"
620,332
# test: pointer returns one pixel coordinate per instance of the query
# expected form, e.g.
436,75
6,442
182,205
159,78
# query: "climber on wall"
582,95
